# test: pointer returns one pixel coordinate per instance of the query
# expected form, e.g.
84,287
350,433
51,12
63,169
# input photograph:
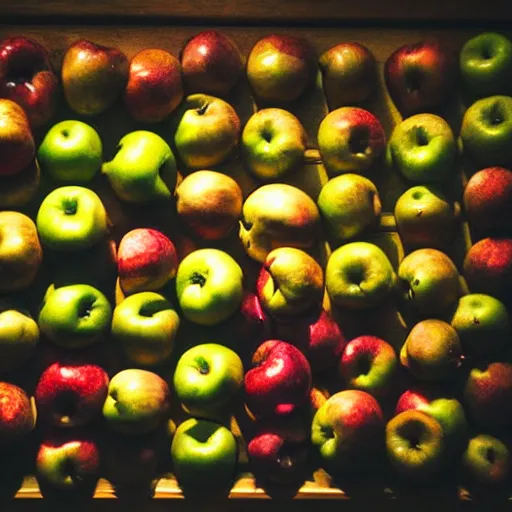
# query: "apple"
349,74
370,364
17,144
18,190
207,131
206,378
17,414
212,63
209,204
350,139
20,251
431,282
143,169
293,221
154,88
420,77
203,453
145,325
209,286
426,217
27,77
279,381
348,431
93,76
71,393
137,401
280,68
290,282
273,144
349,205
485,63
146,260
486,131
359,275
71,151
423,149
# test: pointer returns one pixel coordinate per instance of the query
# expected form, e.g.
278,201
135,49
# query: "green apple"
145,325
423,149
143,169
486,131
71,218
349,204
71,151
207,377
74,316
207,131
204,454
137,401
209,286
359,275
273,144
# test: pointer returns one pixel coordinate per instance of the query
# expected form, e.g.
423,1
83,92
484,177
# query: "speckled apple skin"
17,415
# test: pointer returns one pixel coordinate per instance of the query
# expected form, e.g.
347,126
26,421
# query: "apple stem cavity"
422,138
490,455
198,279
204,367
85,308
359,140
70,206
413,81
202,109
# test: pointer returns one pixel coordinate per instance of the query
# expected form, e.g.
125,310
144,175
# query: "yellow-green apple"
273,144
204,453
146,260
415,445
349,74
71,151
138,401
359,275
426,217
488,268
17,414
206,379
68,462
71,393
485,63
293,221
211,63
432,351
423,149
290,282
154,88
279,381
420,77
486,131
74,316
209,204
431,282
143,169
280,68
350,139
145,325
93,76
209,286
20,251
348,431
17,145
18,190
369,364
207,131
27,77
483,325
349,205
488,201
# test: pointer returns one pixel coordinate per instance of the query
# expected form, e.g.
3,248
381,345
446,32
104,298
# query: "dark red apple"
17,414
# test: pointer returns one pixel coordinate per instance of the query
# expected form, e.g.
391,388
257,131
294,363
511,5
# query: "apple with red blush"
17,414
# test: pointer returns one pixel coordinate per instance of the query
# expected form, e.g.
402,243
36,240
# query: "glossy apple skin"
280,380
17,414
27,77
420,77
154,88
212,63
280,68
71,394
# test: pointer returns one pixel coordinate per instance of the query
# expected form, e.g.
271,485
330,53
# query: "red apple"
27,77
280,380
17,414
